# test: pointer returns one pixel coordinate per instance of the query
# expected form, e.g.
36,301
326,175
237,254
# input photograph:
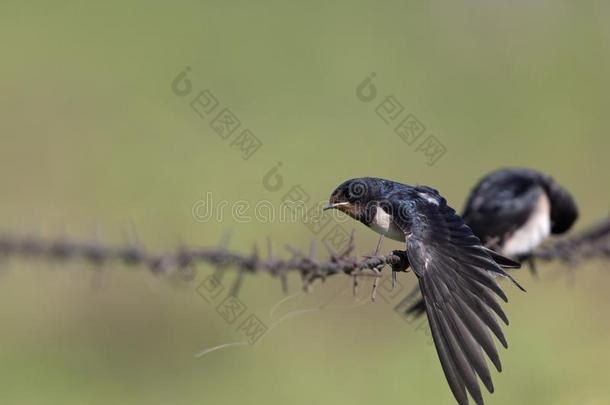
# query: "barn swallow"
515,210
455,272
512,211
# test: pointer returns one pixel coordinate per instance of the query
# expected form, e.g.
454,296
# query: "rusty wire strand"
592,243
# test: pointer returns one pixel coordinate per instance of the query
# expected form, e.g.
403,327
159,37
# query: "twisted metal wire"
593,243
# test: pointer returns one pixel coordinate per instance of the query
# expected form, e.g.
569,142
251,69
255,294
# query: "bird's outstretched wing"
453,270
419,308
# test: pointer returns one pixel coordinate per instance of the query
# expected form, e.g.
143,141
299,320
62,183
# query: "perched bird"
515,210
456,273
512,211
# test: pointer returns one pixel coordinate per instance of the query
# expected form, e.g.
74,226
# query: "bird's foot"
403,264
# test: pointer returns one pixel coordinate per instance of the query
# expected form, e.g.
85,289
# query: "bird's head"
355,197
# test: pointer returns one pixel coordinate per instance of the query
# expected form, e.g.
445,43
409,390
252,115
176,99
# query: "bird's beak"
329,205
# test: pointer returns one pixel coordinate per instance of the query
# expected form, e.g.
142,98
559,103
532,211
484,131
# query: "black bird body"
514,210
454,270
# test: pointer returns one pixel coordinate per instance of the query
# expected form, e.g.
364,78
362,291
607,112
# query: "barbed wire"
187,258
592,243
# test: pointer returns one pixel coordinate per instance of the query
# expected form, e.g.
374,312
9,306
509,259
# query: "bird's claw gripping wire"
401,266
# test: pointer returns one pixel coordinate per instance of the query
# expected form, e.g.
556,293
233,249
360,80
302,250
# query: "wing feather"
453,270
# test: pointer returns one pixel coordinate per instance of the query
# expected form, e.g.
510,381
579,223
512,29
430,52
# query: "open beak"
329,205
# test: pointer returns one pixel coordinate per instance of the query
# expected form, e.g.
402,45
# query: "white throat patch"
383,224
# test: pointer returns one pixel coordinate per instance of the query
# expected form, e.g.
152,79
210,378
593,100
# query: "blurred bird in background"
512,211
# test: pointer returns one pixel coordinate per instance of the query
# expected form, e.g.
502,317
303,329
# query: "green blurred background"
93,139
